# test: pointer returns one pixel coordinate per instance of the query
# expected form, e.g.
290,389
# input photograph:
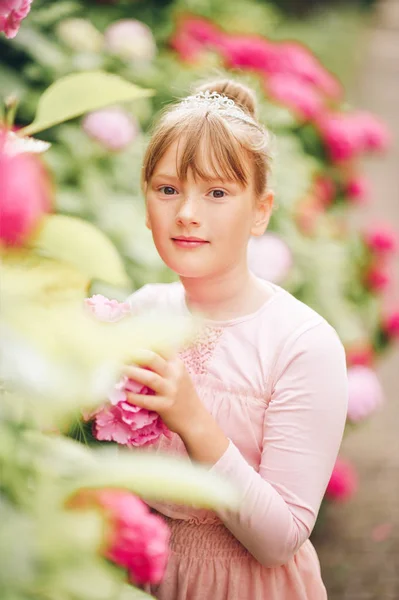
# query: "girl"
261,396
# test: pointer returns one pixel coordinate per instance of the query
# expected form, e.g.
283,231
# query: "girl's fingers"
153,361
145,377
144,401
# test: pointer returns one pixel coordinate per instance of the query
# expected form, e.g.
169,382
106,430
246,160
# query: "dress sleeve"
302,432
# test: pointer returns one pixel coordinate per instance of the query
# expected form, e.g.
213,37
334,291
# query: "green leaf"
81,244
76,94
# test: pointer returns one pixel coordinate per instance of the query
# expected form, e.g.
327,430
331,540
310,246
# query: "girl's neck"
226,296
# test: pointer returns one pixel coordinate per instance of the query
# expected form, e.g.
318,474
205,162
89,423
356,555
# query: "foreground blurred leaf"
76,94
83,245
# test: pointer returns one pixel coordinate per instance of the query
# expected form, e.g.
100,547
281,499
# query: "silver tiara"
217,102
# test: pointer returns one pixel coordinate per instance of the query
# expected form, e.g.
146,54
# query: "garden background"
332,240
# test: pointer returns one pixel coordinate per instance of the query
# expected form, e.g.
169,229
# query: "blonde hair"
231,144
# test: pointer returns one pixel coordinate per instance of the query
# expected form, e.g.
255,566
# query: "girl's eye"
167,190
217,194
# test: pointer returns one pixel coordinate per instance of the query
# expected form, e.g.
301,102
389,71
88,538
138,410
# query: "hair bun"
242,95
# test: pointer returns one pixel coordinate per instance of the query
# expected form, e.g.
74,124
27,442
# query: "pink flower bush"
269,257
378,277
382,239
107,310
360,354
119,421
296,94
343,483
365,393
113,128
136,539
131,40
26,194
11,14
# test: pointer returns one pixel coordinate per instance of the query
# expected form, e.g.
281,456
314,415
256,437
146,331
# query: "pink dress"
275,381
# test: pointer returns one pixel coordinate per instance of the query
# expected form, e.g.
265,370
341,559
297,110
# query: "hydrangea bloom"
11,14
365,393
119,421
113,128
136,539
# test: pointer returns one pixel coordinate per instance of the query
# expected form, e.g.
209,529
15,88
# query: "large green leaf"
76,94
82,245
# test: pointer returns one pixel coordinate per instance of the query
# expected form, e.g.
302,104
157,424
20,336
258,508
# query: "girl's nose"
187,213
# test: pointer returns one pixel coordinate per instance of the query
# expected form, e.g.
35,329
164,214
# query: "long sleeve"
302,432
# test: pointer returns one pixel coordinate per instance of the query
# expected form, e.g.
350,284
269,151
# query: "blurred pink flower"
250,52
375,135
390,324
11,14
26,194
113,128
269,257
136,539
365,393
107,310
357,189
325,190
382,239
360,354
131,40
296,94
201,31
343,483
378,277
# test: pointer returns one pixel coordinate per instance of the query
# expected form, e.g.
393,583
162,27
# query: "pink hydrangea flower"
113,128
11,14
130,39
365,393
382,239
343,483
107,310
137,540
269,257
26,194
125,423
298,95
118,420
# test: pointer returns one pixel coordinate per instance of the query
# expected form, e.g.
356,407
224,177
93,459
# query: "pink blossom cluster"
12,12
26,193
343,483
118,420
383,242
136,539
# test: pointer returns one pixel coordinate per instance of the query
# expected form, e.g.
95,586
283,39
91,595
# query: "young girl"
261,396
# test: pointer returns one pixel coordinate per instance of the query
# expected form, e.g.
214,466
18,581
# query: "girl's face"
221,216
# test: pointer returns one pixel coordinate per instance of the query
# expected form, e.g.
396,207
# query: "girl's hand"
175,399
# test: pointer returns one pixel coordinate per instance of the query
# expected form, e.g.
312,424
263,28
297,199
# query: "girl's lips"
182,243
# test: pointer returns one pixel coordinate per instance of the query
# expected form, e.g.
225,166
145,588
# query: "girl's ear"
263,213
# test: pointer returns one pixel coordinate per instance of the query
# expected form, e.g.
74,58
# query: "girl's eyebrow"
165,176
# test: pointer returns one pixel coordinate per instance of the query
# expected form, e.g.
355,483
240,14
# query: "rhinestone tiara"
216,102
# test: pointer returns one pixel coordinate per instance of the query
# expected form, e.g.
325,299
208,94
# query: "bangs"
206,147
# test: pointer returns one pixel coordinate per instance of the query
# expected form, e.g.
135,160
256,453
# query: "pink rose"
11,14
107,310
113,128
298,95
343,483
25,196
136,540
382,239
365,393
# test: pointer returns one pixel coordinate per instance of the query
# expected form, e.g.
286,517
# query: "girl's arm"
302,432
